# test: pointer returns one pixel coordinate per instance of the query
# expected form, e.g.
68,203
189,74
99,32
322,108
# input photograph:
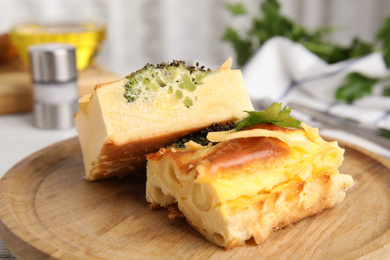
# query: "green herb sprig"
273,114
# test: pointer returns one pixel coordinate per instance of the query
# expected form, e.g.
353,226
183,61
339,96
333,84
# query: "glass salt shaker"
54,76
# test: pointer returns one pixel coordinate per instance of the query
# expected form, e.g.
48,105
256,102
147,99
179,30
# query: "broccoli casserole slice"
122,121
251,182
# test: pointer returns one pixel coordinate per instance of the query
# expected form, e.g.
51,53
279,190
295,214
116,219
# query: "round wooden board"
48,210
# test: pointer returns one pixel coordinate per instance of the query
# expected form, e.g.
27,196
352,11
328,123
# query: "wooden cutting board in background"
47,210
16,87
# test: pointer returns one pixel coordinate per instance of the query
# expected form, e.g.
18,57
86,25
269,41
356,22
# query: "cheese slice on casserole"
120,122
250,183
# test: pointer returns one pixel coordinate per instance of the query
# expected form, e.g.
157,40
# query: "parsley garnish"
273,114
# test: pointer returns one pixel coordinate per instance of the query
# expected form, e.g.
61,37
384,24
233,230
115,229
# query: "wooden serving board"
16,91
48,210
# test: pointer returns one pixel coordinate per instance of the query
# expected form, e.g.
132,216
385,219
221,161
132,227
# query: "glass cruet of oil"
86,35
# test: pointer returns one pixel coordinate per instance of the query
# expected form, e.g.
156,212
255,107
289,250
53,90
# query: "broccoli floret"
174,78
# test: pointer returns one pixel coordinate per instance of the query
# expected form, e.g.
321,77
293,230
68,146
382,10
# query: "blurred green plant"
355,86
270,23
386,91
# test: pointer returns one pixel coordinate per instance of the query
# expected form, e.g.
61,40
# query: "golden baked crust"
244,188
122,159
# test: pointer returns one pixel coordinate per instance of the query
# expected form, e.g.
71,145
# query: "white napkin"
287,72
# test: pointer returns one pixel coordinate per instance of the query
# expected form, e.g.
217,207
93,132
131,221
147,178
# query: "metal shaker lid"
52,62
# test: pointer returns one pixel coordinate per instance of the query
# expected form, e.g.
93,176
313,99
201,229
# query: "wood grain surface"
16,91
48,210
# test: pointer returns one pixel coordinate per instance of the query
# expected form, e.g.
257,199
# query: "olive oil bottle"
86,36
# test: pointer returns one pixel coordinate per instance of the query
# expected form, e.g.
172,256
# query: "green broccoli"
174,78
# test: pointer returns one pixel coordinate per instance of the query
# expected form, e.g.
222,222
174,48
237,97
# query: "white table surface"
20,138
